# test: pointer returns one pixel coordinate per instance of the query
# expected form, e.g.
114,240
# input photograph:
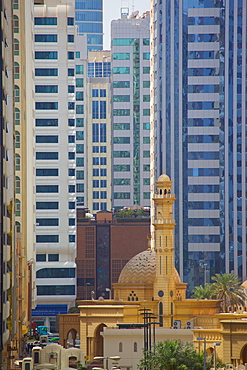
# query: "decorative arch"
72,336
98,344
243,354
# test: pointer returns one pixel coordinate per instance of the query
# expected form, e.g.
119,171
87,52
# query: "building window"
45,38
17,139
79,69
146,126
103,206
71,139
79,82
71,89
79,175
103,195
79,162
71,172
17,185
45,21
17,116
103,183
46,172
53,257
17,94
47,238
135,347
15,4
146,84
103,172
71,72
16,24
79,122
71,155
46,105
17,162
80,188
16,70
46,72
70,38
79,109
46,188
71,105
46,139
146,70
71,205
120,347
17,208
95,183
71,238
95,109
46,55
103,109
77,55
46,205
121,70
80,148
95,206
95,172
146,56
71,122
71,55
16,47
121,167
70,21
47,221
55,290
71,188
40,257
79,96
95,194
71,221
47,155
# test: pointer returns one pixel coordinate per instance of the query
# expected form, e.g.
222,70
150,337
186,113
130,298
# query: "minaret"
164,286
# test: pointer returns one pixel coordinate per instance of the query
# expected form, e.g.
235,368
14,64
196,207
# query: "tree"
226,287
202,292
172,355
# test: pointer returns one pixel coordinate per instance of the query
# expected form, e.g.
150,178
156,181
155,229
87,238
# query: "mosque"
149,282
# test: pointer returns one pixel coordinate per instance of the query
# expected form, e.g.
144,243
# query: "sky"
111,10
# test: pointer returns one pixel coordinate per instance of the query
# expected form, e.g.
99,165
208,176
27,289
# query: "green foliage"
129,213
225,287
202,292
79,366
172,355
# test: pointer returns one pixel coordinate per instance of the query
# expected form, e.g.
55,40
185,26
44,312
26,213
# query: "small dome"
164,178
141,269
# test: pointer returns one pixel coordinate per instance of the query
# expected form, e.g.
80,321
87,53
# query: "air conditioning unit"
189,325
176,324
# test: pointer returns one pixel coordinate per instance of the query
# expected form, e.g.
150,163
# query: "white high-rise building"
131,110
55,159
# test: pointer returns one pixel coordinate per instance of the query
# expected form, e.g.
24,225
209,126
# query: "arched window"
17,207
16,24
17,116
17,162
18,226
120,347
17,185
16,47
15,4
17,139
16,70
135,347
17,94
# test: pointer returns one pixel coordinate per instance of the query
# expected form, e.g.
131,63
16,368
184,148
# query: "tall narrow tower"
164,286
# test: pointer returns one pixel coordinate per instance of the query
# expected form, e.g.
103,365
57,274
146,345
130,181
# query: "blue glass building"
89,19
198,115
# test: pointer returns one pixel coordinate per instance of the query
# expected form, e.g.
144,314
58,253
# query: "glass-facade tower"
89,20
198,129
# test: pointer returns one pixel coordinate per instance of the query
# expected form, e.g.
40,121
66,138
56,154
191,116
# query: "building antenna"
133,5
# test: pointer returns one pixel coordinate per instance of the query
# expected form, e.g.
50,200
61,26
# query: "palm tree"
202,292
226,287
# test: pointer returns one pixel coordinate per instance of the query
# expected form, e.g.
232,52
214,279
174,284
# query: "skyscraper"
55,159
89,20
131,110
198,129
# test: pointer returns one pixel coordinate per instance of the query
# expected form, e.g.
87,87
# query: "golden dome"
141,269
164,178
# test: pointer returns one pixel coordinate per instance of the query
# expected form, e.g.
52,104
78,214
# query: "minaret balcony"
164,196
165,221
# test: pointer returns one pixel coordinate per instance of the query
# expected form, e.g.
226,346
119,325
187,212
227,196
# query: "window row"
53,205
55,290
